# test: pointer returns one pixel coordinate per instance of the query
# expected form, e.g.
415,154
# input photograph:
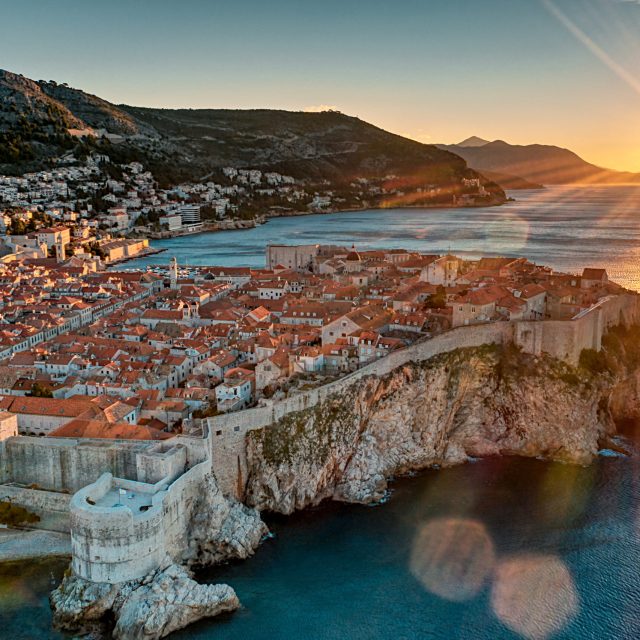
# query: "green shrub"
595,362
13,515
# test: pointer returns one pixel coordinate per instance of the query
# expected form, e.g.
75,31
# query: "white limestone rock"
222,529
162,602
467,403
172,600
83,606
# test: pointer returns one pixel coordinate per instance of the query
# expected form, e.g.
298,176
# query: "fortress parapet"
561,339
122,529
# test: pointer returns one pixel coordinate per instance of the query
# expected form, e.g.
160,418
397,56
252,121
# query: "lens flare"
452,558
534,595
591,45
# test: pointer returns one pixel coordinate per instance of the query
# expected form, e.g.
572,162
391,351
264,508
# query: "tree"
18,227
96,250
40,391
438,300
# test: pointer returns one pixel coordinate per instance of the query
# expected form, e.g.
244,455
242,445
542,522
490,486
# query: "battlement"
561,339
121,529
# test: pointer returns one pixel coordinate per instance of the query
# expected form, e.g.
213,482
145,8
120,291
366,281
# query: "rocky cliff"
167,599
470,402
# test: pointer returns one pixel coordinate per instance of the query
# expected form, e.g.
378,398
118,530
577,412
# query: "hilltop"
40,120
537,163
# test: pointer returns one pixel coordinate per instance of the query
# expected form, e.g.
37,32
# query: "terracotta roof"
72,407
82,428
594,274
531,290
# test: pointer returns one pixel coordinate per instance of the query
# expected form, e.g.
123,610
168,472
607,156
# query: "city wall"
67,465
562,339
124,542
53,508
41,474
118,543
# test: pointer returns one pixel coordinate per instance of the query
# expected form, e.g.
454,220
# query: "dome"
353,256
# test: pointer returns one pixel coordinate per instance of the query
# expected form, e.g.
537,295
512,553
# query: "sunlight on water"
565,227
508,234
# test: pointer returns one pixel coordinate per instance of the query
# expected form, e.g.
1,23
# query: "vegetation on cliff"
36,119
489,400
14,515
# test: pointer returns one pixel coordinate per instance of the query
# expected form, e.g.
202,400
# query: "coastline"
241,225
32,544
142,254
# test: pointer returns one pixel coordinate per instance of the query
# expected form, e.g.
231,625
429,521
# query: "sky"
563,72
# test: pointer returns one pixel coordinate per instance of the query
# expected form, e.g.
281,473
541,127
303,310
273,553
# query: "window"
236,428
218,433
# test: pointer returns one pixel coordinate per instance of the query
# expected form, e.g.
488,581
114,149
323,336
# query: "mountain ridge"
537,163
473,141
40,120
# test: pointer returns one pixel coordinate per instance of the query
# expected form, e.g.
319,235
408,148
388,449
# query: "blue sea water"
564,227
429,563
498,549
418,566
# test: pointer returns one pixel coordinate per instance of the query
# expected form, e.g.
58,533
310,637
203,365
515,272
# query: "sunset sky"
563,72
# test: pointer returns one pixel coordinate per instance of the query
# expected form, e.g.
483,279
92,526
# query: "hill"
544,164
513,183
40,120
473,141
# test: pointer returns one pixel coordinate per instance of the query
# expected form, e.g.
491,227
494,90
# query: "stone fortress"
129,504
561,339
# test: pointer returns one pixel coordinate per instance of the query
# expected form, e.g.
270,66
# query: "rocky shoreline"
168,598
468,403
164,601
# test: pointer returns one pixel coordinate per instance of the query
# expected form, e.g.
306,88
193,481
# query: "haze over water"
499,549
566,228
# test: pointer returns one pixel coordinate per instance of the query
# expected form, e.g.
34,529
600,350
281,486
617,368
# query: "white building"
190,213
291,256
173,221
442,271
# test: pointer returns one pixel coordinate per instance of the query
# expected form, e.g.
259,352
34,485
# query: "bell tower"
173,273
59,248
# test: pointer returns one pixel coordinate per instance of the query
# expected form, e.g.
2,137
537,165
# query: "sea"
566,228
498,548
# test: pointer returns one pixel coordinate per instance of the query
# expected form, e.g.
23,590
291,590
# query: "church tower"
173,273
59,248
